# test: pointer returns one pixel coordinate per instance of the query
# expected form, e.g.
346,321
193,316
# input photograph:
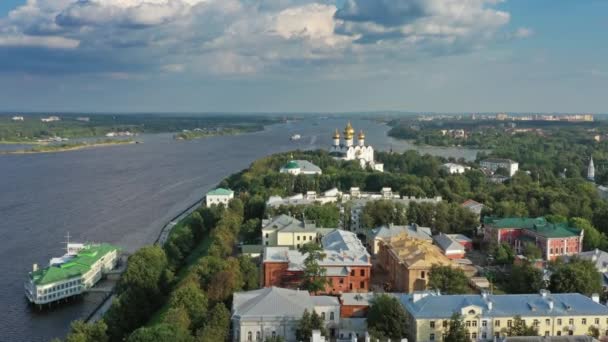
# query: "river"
124,195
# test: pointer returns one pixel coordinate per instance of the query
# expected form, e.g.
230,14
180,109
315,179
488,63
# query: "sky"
304,55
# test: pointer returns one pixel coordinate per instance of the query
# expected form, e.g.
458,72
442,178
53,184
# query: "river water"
124,195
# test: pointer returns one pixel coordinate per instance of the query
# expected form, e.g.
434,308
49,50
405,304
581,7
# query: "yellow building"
290,232
488,316
408,261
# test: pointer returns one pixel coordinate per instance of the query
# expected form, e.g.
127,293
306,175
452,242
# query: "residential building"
474,206
273,312
304,167
288,231
310,197
488,317
17,118
494,164
450,246
554,240
347,150
347,264
408,262
376,235
50,119
72,274
453,168
219,196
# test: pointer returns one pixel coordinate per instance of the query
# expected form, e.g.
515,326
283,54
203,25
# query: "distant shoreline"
77,147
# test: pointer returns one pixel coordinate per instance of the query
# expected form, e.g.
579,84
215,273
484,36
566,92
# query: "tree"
593,238
178,317
314,279
520,328
578,275
386,318
504,254
218,326
525,278
593,331
457,332
532,252
250,272
448,280
87,332
190,297
307,324
160,333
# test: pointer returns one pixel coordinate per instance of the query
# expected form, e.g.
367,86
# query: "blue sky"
304,55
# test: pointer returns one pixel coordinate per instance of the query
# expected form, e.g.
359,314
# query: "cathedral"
347,150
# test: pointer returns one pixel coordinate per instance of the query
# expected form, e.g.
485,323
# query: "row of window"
484,336
60,287
61,294
536,322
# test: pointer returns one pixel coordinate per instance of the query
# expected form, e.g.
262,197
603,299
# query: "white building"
347,150
72,274
311,197
275,311
296,167
17,118
288,231
219,196
50,119
453,168
494,164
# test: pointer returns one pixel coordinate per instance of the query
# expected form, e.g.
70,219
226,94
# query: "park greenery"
457,331
71,146
313,279
307,324
448,280
32,128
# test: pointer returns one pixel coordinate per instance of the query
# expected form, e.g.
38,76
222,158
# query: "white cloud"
51,42
523,32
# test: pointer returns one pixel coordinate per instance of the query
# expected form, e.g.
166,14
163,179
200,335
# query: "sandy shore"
71,148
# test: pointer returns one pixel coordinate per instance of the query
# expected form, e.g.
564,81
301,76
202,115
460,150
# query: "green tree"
504,254
448,280
160,333
525,278
593,237
307,323
178,317
520,328
190,297
87,332
250,272
218,326
578,276
532,252
593,331
313,279
457,332
386,318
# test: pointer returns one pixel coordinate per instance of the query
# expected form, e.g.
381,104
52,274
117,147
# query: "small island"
65,147
199,133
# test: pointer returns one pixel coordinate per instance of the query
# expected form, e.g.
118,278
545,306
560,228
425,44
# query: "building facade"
376,235
275,312
347,150
408,262
494,164
219,196
347,265
453,168
288,231
488,317
554,240
450,246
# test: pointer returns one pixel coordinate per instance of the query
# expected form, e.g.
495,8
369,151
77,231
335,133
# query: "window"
597,321
474,336
432,337
559,333
341,280
551,251
298,238
310,238
584,321
484,323
351,286
468,336
323,315
535,323
484,335
267,235
474,323
257,336
249,336
497,323
422,274
471,312
547,322
559,321
266,243
445,324
362,273
432,324
468,323
547,333
509,323
362,285
571,321
352,273
331,316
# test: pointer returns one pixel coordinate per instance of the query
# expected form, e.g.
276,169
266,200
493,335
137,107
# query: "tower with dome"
347,149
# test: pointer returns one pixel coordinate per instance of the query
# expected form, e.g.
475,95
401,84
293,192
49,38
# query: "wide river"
124,195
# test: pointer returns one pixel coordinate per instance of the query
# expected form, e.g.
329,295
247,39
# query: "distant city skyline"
443,56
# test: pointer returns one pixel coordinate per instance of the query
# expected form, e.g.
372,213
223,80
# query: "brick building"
554,240
347,264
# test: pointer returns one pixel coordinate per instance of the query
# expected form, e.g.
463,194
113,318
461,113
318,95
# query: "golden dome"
361,135
349,131
336,134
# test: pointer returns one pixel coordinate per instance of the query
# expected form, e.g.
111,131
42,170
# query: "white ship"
296,137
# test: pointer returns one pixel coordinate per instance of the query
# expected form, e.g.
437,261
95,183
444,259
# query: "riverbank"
200,134
69,147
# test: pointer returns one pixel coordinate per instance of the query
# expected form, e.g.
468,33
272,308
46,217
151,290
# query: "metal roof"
277,302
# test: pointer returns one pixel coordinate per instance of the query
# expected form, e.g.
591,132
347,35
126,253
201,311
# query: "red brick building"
347,264
554,240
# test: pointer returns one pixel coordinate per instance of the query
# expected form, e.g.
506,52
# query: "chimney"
595,297
34,267
550,302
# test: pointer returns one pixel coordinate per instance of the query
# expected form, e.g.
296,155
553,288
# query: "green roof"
220,192
537,225
75,267
292,165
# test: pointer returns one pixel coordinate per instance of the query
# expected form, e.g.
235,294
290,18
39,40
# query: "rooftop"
73,267
447,243
433,305
537,225
286,223
415,231
220,192
304,165
417,253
